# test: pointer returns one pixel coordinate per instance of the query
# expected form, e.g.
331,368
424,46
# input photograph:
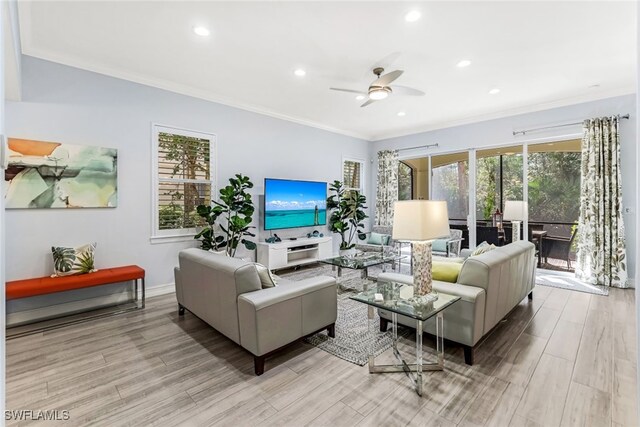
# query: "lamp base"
422,263
515,230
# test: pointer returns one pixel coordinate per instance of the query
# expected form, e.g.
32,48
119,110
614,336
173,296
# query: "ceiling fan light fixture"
378,94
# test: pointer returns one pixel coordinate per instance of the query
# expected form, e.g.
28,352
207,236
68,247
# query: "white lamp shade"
417,220
515,210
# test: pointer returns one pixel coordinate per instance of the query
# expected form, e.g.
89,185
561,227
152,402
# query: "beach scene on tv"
290,204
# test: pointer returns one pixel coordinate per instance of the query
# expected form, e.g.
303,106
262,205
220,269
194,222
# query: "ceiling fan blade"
404,90
387,78
369,101
359,92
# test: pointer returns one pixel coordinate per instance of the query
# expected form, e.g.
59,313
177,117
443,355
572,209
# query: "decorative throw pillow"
70,261
483,248
266,278
378,239
446,271
439,245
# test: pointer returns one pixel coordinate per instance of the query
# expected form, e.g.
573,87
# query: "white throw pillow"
266,278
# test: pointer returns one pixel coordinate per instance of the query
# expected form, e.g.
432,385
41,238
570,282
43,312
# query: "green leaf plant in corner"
347,214
235,209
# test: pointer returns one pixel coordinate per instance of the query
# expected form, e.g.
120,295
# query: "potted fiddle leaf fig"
347,215
234,210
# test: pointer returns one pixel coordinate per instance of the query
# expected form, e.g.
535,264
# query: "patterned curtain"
387,193
601,245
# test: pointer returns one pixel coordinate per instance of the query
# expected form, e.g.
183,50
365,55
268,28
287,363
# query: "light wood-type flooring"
565,358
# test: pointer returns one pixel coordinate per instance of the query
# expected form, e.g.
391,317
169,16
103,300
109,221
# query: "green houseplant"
347,214
235,209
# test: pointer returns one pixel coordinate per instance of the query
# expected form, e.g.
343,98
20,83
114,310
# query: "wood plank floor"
565,358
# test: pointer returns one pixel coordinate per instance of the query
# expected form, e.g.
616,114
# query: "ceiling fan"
380,88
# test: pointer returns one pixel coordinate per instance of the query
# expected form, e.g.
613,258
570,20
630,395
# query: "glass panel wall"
450,182
554,199
499,177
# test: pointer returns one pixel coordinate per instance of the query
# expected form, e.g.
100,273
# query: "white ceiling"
540,54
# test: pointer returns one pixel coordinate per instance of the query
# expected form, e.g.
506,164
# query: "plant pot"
348,252
223,252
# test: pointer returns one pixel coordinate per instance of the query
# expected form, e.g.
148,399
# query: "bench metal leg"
74,321
143,293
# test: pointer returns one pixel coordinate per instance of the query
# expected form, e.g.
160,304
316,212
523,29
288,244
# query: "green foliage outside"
182,157
451,183
554,187
405,184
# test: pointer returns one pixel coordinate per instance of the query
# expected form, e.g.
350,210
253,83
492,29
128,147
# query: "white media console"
290,253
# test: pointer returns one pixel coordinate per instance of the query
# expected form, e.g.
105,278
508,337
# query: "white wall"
65,104
500,132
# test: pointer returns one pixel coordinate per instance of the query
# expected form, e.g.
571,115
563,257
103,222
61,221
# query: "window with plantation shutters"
183,179
353,175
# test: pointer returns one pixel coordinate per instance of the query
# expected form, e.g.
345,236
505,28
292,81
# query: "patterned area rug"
354,335
569,282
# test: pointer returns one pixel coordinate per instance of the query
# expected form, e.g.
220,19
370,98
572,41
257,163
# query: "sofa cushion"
266,278
446,271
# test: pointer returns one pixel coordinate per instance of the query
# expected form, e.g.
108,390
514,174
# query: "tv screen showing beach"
289,204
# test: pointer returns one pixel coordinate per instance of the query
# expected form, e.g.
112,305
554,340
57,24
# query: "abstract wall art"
55,175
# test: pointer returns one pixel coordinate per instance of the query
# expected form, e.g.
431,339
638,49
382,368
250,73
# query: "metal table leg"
414,371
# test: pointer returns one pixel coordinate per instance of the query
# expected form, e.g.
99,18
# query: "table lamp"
420,222
515,211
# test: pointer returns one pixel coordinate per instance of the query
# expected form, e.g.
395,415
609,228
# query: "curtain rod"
419,146
523,132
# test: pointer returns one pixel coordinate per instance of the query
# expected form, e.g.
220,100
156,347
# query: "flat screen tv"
290,204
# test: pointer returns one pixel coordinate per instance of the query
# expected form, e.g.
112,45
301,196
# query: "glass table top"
398,298
360,261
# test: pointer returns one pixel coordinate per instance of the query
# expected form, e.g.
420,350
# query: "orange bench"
48,285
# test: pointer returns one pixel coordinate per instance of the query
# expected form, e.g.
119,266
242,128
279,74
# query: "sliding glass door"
450,182
554,199
499,178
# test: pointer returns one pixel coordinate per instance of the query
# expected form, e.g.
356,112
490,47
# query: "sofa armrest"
274,317
271,296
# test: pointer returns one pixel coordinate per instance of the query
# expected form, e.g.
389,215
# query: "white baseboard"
155,291
51,311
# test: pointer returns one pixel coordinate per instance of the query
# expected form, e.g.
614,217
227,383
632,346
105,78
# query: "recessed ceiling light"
201,31
401,114
360,97
412,16
463,63
494,91
594,86
300,72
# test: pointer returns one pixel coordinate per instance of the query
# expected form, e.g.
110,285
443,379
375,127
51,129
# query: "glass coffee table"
397,298
361,262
